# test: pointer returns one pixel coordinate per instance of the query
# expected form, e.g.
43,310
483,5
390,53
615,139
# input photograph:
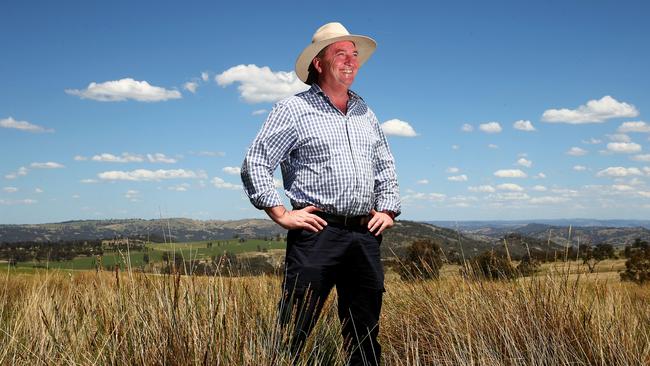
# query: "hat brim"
365,47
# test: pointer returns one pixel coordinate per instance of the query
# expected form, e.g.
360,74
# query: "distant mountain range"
456,239
159,230
468,225
562,234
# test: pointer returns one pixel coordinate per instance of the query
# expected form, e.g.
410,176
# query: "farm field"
200,250
564,316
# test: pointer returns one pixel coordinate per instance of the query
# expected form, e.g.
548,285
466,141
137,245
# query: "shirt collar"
315,89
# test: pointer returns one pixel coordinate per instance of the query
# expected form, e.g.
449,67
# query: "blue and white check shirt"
338,163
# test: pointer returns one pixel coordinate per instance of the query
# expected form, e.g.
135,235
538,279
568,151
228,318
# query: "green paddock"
199,250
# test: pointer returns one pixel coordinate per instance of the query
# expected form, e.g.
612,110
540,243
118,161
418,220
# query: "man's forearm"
276,212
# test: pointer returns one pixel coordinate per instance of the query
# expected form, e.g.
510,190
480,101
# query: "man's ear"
316,63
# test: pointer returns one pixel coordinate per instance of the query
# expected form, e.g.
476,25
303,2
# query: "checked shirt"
338,163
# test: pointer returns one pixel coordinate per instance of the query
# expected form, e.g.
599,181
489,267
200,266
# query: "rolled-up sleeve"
271,145
387,196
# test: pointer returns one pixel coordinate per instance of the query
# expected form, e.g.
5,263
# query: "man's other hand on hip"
379,222
303,218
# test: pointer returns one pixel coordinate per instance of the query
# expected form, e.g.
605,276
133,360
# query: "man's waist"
352,222
339,207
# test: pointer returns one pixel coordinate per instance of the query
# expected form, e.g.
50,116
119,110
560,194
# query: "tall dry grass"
96,318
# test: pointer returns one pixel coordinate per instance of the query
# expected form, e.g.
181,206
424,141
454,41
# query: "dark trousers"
348,259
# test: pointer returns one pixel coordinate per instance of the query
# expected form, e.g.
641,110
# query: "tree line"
65,250
424,258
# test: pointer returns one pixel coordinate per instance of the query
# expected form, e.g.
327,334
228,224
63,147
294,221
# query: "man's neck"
336,92
338,96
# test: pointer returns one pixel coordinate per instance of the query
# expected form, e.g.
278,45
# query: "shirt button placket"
353,202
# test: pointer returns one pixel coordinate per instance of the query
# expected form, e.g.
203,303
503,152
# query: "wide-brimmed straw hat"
325,36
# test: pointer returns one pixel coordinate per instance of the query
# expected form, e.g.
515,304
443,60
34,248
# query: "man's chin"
347,82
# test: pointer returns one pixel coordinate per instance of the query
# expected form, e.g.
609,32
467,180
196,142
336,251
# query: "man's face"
339,64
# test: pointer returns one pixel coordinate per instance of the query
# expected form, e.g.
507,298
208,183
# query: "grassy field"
200,250
562,317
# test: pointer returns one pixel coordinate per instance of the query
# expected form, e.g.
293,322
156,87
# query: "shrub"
422,261
637,267
490,266
591,256
637,245
528,266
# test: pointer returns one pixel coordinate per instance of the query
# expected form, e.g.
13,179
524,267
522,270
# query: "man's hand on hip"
379,222
297,219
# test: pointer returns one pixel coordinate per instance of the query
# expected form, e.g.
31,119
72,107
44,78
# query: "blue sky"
499,110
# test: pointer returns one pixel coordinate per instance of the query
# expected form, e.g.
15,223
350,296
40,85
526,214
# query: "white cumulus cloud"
490,127
622,187
17,202
579,168
125,89
624,147
634,126
150,175
422,181
179,187
619,171
510,173
524,162
510,187
539,188
452,170
132,195
222,184
619,137
259,112
576,151
48,165
10,189
211,153
467,128
22,171
458,178
22,125
160,158
509,196
524,125
260,84
642,157
595,111
592,141
484,188
419,196
395,127
191,86
232,170
547,200
124,158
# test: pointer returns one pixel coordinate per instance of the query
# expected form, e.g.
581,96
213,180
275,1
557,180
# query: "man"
340,178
